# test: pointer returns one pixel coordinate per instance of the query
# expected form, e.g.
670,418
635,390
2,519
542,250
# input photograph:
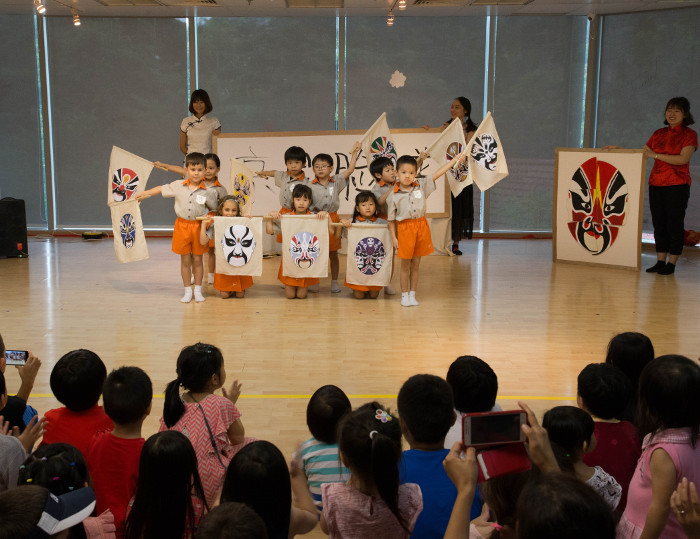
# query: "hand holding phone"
493,428
16,357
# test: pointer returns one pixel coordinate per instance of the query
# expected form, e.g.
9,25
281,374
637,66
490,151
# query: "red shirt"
114,467
617,451
75,428
670,141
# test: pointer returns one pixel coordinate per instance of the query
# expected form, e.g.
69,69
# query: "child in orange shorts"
192,200
407,222
227,285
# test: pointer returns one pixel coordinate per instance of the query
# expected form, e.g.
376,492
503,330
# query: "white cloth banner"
378,142
238,243
241,185
128,174
487,161
370,255
129,239
446,147
304,246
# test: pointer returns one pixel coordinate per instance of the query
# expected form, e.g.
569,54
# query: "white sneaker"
405,302
334,287
412,299
188,296
198,297
313,288
389,291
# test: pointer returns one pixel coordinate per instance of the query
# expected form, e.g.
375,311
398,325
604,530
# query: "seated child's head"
77,378
302,197
127,395
203,96
323,165
603,390
258,476
474,384
213,166
668,396
195,158
630,352
501,495
382,168
426,409
557,505
232,521
228,207
365,205
59,467
295,159
571,431
326,408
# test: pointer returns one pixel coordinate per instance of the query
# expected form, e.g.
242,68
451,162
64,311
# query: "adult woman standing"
463,204
196,130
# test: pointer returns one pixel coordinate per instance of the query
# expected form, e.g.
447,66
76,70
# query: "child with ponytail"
371,503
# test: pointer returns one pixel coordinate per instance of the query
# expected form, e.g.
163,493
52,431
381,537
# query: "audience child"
16,411
669,422
302,198
227,285
571,431
113,457
169,499
474,388
76,381
258,476
318,456
409,228
326,189
192,199
426,411
630,352
232,521
211,422
372,503
603,392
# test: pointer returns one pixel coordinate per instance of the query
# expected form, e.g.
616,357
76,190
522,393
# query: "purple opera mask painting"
599,197
304,249
238,244
127,230
369,255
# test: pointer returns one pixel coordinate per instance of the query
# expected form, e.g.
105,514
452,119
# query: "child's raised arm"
266,173
353,160
269,224
447,166
171,168
382,199
149,193
203,237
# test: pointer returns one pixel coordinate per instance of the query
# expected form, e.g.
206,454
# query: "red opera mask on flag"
598,196
124,182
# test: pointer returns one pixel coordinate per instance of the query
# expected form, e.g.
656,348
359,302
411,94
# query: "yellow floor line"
500,397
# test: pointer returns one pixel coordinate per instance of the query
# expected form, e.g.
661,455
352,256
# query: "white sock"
404,299
334,286
188,295
412,298
210,278
198,297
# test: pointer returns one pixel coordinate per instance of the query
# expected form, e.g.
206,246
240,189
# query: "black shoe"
668,269
455,250
656,268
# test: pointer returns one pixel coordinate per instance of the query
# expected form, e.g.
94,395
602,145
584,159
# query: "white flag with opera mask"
446,147
487,162
128,174
129,239
378,142
304,246
241,185
370,255
238,242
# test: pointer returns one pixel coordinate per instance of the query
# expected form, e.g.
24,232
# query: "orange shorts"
414,238
333,242
283,210
291,281
362,288
186,238
232,283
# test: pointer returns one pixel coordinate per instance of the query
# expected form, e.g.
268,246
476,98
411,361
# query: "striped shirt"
321,464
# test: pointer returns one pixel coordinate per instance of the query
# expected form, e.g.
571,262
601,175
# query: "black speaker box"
13,229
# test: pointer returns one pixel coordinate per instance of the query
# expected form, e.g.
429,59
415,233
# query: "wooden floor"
536,323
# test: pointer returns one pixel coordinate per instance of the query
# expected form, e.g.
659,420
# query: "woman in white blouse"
196,130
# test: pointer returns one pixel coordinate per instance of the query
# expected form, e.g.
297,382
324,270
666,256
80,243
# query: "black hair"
364,196
604,390
127,394
201,95
378,165
21,508
77,378
214,158
59,467
474,384
196,364
669,396
296,153
3,384
630,352
168,478
683,105
469,125
323,157
195,158
2,346
406,160
303,191
568,428
326,407
370,443
501,494
224,200
258,476
557,505
426,407
231,521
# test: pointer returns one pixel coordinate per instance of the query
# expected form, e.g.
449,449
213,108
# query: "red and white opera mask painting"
598,196
124,182
304,249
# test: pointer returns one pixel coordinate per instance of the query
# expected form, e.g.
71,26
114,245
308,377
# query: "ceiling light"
76,18
402,4
40,7
390,19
